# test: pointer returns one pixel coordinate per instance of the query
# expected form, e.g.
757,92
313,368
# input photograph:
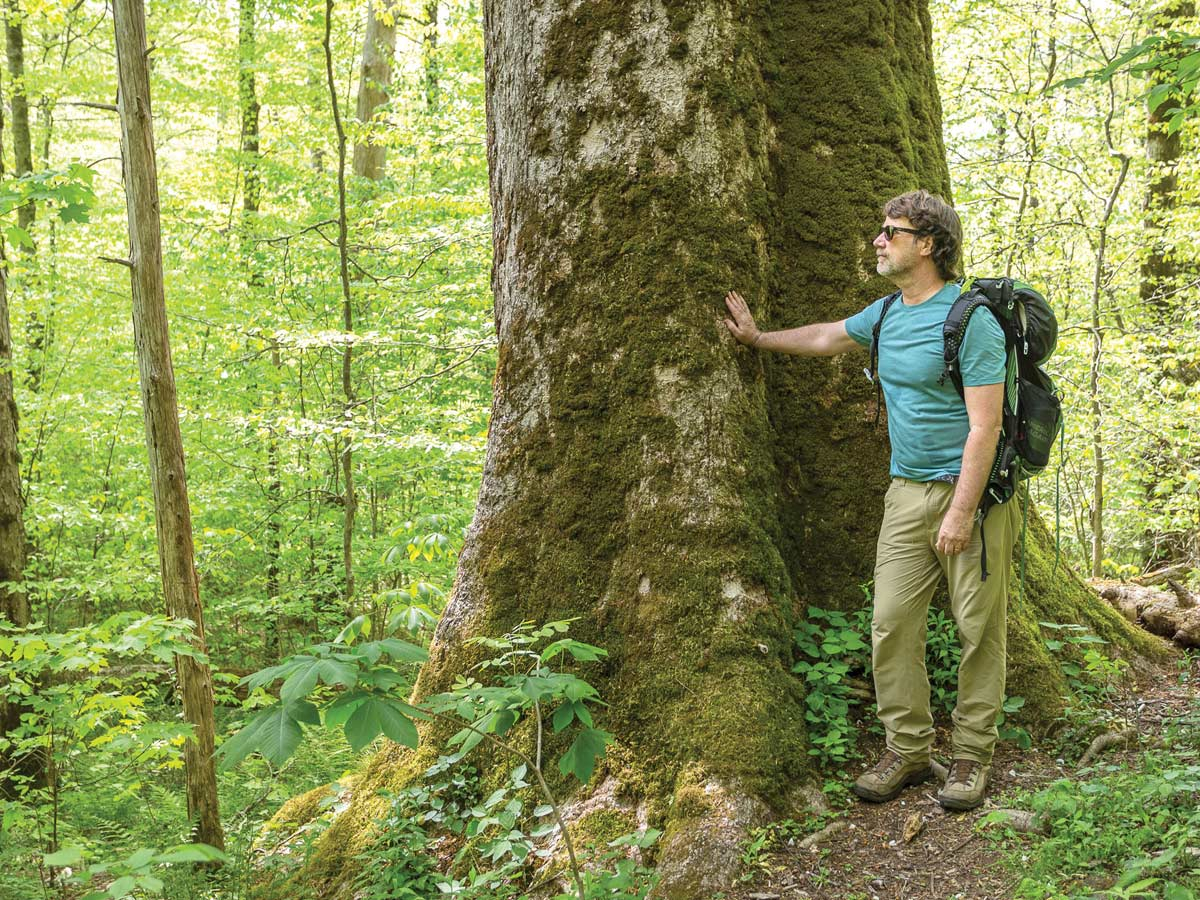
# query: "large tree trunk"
685,497
163,441
375,79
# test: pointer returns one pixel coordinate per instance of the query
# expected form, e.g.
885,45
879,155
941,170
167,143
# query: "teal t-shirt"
927,421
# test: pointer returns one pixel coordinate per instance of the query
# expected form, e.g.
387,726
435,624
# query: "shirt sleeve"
861,325
982,358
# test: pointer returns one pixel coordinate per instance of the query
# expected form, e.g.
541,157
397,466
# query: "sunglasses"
889,231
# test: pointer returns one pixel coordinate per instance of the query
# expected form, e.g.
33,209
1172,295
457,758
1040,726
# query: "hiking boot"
888,777
965,785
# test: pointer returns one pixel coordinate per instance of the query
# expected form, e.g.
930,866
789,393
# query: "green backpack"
1032,418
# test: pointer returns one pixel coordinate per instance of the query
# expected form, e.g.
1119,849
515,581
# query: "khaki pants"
907,568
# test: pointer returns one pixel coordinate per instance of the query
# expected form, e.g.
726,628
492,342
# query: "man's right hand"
741,326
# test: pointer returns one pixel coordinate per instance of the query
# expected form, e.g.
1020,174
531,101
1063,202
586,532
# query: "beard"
889,267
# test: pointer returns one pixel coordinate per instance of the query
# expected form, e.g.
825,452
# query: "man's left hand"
955,533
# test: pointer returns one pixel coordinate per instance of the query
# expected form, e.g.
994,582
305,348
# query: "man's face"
901,254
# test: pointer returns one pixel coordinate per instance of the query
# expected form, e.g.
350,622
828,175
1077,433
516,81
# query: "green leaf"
303,679
563,716
403,651
186,853
140,858
122,886
375,716
580,758
73,212
67,856
275,733
360,626
18,237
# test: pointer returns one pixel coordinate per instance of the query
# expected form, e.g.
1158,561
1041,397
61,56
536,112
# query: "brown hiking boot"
965,785
888,777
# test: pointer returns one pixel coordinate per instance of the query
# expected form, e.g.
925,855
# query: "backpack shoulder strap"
872,372
954,329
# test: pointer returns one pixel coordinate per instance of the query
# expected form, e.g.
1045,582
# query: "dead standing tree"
163,440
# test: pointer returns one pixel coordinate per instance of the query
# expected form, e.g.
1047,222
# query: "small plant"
833,645
942,656
128,877
1009,731
1092,675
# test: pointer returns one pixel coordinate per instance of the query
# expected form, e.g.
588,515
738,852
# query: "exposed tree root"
1020,820
1103,742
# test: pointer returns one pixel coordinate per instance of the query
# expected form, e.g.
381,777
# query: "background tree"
163,441
379,47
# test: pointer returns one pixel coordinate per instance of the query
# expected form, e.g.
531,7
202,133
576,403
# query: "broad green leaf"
67,856
122,887
375,716
140,858
403,651
185,853
275,733
580,758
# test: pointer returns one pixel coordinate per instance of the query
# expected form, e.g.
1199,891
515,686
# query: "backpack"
1032,418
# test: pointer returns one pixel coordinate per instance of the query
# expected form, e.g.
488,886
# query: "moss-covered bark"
681,495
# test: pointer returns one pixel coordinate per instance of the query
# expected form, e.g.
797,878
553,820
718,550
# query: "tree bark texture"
14,602
375,80
685,497
1161,267
248,101
163,440
429,50
344,444
22,143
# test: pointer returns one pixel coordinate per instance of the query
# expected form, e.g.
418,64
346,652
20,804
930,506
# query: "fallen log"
1159,612
1178,570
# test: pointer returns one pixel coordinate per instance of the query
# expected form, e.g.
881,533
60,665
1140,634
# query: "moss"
299,810
599,827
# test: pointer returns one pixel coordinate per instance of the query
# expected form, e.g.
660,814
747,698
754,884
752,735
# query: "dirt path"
948,857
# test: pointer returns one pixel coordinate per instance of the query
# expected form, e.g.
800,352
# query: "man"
943,447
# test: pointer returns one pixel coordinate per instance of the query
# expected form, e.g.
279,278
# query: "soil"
950,857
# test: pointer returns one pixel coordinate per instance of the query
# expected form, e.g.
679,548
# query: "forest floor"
950,855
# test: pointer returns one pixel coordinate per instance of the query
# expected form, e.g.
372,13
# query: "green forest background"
1047,119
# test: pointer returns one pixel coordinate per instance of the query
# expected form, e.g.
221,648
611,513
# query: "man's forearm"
978,456
818,339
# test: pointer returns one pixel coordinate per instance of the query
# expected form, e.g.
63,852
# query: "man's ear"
926,248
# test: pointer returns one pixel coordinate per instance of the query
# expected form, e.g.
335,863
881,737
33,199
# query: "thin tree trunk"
429,49
22,144
349,500
1094,399
251,200
163,440
14,602
375,80
248,100
1160,269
